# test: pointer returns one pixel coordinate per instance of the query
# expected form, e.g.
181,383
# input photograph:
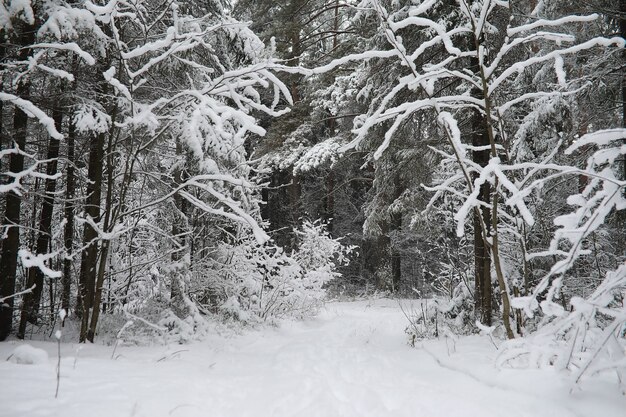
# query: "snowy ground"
352,360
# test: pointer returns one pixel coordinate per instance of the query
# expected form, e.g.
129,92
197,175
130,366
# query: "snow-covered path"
352,360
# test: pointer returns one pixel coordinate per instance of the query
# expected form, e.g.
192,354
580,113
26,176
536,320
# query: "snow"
520,66
30,260
68,46
601,137
27,355
23,8
560,71
33,111
551,23
352,360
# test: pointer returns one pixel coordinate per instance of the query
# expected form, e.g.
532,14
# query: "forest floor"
351,360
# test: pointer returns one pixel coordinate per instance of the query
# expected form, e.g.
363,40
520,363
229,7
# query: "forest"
166,165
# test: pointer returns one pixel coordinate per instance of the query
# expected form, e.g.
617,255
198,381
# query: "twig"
18,293
172,354
58,336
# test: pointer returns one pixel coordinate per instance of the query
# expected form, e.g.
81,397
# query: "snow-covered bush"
248,281
441,315
586,341
317,252
254,282
589,338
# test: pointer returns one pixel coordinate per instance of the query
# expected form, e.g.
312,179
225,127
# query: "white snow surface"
351,360
25,354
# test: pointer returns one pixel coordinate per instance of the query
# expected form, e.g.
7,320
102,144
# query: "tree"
31,302
303,33
493,58
24,24
123,111
211,129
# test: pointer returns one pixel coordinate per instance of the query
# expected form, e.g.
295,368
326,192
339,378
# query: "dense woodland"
165,163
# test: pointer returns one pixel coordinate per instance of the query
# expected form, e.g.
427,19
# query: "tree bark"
32,301
68,236
13,202
178,228
294,192
109,219
89,256
491,238
395,224
4,140
329,200
622,27
481,218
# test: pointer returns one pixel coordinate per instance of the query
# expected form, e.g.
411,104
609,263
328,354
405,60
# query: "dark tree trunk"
109,219
396,257
179,227
482,259
32,301
68,237
295,204
395,229
13,202
329,200
89,256
4,140
382,257
622,27
283,206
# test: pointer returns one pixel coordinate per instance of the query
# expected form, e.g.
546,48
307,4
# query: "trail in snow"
352,360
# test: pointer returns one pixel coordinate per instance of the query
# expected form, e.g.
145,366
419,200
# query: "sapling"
118,338
58,334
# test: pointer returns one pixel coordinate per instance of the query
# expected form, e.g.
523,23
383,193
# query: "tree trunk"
491,238
178,228
396,257
89,256
13,202
383,258
482,215
4,140
295,213
68,237
32,301
395,224
482,258
109,220
329,200
622,27
336,25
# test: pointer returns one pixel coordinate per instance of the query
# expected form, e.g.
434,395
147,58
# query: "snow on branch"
26,291
238,214
602,194
34,112
489,173
319,154
578,341
32,171
511,31
30,260
520,66
598,138
67,46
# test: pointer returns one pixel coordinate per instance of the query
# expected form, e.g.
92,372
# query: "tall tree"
31,301
24,35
